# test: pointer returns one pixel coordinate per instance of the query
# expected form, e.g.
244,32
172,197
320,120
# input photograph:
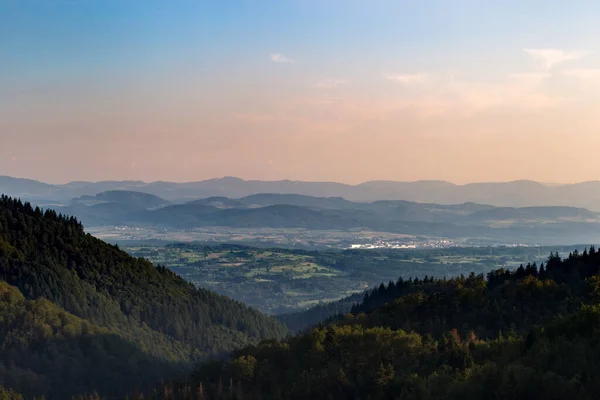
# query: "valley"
299,200
278,237
81,317
300,221
276,280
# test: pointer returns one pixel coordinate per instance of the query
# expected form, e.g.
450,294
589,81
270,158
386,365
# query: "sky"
328,90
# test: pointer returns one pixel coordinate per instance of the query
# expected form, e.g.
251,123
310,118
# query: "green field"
283,280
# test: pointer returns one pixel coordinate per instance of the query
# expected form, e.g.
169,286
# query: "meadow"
287,280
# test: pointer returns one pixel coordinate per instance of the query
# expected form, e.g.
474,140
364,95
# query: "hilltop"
522,193
127,197
530,225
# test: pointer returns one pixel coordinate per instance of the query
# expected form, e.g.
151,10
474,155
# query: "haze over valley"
284,252
522,193
291,214
292,200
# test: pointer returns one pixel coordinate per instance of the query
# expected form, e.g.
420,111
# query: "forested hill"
301,320
522,334
102,309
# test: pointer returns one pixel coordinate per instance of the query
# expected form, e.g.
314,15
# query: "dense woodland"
80,315
79,318
523,334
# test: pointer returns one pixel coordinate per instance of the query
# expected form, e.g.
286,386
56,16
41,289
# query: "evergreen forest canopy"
79,315
523,334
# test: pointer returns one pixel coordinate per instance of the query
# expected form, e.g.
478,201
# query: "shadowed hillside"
136,311
522,334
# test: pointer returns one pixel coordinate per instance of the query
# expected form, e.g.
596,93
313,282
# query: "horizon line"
546,184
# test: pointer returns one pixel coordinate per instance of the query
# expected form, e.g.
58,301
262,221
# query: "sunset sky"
329,90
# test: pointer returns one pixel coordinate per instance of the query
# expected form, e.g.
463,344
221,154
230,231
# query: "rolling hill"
127,197
270,199
522,334
533,213
521,193
219,202
78,315
276,210
107,321
530,225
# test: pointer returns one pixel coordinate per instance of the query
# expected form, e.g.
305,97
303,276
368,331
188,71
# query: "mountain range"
81,319
522,193
530,225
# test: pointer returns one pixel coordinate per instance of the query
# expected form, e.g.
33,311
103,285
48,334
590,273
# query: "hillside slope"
42,345
48,256
126,197
528,333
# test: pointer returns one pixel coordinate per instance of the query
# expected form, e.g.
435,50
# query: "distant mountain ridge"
529,225
521,193
129,197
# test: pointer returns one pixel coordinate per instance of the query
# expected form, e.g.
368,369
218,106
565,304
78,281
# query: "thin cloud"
530,78
438,95
407,79
585,74
329,83
552,57
280,58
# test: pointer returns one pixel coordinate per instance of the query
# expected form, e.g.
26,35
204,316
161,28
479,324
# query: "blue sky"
311,90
